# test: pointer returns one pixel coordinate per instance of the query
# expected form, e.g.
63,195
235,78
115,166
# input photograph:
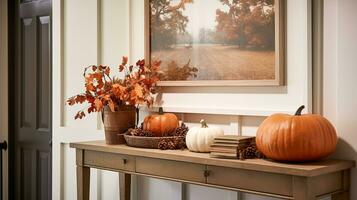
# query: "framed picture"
217,42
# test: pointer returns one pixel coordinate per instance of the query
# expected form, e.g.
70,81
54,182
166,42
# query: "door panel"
43,79
28,72
26,176
33,107
43,171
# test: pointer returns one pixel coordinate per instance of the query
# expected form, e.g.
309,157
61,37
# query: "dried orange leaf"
125,60
111,105
98,104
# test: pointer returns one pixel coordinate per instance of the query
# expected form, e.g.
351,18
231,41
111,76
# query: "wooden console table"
286,181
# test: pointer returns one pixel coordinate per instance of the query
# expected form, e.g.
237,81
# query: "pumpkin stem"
161,111
203,123
298,112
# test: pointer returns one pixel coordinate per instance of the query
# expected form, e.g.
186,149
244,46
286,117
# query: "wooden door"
32,101
4,98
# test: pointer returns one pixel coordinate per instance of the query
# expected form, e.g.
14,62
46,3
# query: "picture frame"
279,53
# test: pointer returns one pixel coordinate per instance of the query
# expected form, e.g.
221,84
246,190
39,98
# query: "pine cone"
249,152
181,131
140,132
259,154
162,145
171,145
130,131
145,133
180,143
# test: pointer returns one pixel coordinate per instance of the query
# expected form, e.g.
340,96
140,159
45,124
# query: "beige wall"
340,100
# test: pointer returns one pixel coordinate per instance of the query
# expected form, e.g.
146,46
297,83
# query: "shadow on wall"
345,151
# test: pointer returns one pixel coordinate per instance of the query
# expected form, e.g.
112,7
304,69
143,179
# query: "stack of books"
230,146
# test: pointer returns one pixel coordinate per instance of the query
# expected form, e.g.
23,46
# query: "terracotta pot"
117,123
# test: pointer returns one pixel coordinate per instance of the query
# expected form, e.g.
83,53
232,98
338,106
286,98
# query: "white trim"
99,51
57,96
317,56
308,84
221,111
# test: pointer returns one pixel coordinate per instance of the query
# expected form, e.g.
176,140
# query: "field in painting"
221,62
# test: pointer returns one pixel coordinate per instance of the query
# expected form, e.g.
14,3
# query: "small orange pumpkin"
296,138
161,124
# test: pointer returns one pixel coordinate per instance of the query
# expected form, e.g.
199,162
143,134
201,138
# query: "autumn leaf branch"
136,88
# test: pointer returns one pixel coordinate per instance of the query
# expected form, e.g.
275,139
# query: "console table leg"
346,180
124,186
341,196
83,180
302,189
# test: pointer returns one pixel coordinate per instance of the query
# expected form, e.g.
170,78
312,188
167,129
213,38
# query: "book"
235,138
222,149
229,146
224,145
223,155
216,146
231,141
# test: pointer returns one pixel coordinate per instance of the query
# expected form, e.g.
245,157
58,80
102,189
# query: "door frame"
317,45
11,59
4,103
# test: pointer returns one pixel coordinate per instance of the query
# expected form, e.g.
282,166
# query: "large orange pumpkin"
296,138
161,124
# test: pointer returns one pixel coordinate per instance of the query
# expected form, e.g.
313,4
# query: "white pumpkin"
199,139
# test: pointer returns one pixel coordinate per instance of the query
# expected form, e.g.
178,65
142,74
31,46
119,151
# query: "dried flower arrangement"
136,88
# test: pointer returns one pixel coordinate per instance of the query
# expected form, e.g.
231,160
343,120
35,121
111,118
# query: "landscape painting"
217,42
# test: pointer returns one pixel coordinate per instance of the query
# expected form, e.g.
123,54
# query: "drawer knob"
125,161
206,173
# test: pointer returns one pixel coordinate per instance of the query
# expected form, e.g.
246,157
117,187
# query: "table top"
297,169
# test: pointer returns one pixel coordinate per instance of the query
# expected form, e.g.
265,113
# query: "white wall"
100,32
340,93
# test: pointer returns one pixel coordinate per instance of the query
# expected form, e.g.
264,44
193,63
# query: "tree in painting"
166,22
247,23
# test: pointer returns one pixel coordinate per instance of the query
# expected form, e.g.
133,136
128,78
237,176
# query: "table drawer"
109,160
171,169
250,180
